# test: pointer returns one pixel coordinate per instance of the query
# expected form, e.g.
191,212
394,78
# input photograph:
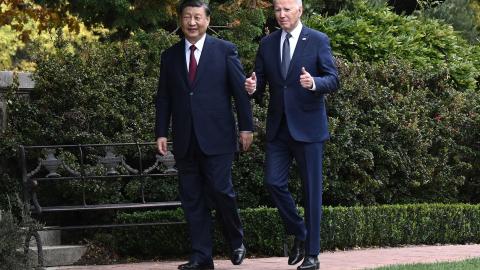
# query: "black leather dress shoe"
195,266
297,253
238,255
310,263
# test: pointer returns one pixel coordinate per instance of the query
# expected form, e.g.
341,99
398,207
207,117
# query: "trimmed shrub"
342,228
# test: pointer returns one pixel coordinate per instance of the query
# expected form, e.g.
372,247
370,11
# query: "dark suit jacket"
304,109
207,105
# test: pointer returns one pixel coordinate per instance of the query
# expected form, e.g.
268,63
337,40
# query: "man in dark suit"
199,76
298,65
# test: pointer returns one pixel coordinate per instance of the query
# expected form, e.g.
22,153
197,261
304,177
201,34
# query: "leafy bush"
107,96
99,93
368,33
10,241
458,13
342,227
13,231
246,28
400,135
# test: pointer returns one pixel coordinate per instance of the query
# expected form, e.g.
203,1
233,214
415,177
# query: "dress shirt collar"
295,32
198,45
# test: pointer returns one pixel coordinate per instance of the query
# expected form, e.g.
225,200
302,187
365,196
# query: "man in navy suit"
199,77
297,64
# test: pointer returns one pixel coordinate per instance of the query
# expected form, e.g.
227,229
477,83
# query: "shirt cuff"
314,87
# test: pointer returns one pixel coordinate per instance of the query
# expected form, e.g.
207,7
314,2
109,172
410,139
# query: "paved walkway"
339,260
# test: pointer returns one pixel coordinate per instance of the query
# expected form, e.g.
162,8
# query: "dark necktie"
286,55
192,67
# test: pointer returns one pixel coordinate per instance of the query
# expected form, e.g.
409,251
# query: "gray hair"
299,2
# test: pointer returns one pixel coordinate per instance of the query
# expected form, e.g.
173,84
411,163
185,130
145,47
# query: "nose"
191,21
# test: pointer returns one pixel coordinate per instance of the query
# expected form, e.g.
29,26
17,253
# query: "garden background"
403,164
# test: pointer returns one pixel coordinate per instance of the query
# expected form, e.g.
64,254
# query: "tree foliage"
18,13
122,16
460,14
376,34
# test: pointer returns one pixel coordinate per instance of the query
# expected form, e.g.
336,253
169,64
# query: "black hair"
193,3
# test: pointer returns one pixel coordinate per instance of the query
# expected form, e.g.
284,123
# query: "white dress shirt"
198,50
293,39
293,44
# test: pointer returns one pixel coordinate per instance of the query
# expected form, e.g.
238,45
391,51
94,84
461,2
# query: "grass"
470,264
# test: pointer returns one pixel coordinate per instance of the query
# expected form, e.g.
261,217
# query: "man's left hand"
306,80
245,139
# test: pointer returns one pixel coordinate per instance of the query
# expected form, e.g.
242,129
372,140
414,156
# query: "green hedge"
342,228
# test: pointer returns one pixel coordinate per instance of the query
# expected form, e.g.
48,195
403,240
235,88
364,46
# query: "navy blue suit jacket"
304,109
205,106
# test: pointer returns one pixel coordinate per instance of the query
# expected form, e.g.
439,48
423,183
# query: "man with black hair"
199,77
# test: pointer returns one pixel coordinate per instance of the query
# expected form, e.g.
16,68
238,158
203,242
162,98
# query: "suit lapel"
182,68
299,48
276,51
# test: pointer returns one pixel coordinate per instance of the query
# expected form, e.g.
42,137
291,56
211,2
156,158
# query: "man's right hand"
162,145
251,84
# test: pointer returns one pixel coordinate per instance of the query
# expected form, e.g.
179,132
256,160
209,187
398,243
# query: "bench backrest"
86,163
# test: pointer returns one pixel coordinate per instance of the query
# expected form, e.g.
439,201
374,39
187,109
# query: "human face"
287,13
194,23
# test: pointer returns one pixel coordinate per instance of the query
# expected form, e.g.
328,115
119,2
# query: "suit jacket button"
191,93
284,87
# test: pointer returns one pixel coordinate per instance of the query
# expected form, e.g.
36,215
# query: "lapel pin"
304,38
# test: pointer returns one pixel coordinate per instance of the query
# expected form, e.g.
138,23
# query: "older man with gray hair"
297,64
